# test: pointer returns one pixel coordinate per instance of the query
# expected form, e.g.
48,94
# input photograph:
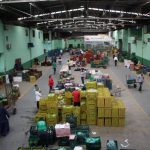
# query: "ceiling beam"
100,18
24,1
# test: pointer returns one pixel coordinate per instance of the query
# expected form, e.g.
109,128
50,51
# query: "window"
26,31
33,33
6,38
39,34
148,28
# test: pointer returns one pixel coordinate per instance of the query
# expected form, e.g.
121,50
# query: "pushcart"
131,81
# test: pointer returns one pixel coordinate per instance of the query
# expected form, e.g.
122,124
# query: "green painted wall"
1,38
17,37
75,42
57,44
138,38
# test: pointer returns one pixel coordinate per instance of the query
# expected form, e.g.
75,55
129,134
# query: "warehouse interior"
89,33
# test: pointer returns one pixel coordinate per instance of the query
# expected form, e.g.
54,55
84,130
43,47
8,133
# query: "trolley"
131,81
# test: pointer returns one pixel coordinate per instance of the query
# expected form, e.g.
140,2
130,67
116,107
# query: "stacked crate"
76,113
118,113
66,110
91,104
83,110
68,98
104,104
91,85
52,109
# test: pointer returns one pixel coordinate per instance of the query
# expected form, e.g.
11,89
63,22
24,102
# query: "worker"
59,60
54,67
4,124
38,95
42,128
83,75
69,65
140,80
76,97
50,83
115,60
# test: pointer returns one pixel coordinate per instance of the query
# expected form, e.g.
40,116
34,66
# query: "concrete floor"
137,129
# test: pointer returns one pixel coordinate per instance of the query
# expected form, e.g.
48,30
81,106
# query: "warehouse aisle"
137,129
26,109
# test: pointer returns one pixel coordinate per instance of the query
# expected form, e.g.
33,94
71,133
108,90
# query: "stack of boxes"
76,113
118,113
66,110
52,109
83,115
32,79
68,98
91,85
111,112
97,106
91,105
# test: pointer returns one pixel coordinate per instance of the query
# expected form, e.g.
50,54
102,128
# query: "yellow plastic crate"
67,109
32,79
100,122
52,110
121,108
83,115
91,93
51,103
51,97
76,110
83,106
83,122
115,122
91,116
107,122
115,110
42,105
107,112
91,102
91,121
101,112
83,94
121,122
68,94
100,101
38,116
108,102
91,85
68,101
51,117
100,85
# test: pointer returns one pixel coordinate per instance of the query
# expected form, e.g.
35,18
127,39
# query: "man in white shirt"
140,80
38,96
116,60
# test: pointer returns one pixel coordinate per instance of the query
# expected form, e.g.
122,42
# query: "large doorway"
120,45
